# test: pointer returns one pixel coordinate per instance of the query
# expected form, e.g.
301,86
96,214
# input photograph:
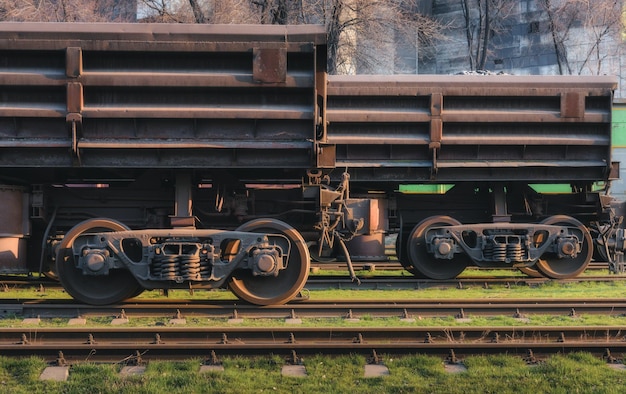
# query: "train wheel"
425,263
403,259
563,268
95,290
530,271
270,290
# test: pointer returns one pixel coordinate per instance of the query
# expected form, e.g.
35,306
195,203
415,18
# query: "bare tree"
198,11
362,32
603,25
359,31
275,12
483,20
562,15
585,33
165,11
63,10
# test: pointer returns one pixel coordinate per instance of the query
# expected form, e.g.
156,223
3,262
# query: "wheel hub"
568,248
94,261
266,262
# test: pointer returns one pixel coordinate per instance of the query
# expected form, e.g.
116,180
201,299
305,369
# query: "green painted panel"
551,188
425,189
619,126
561,188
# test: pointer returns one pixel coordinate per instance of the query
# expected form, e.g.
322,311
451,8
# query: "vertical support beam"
183,215
573,105
321,92
436,129
75,98
436,123
500,210
269,65
325,154
73,62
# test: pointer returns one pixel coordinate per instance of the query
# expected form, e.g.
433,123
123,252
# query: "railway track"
393,265
174,340
307,309
369,280
104,344
386,282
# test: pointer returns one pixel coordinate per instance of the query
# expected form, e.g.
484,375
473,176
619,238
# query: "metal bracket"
75,122
436,129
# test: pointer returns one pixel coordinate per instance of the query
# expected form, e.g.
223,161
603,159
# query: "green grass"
580,290
547,290
575,373
550,289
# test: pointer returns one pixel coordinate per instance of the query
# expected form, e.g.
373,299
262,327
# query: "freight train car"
136,156
525,163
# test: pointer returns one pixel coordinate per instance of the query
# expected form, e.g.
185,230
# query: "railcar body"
136,156
493,143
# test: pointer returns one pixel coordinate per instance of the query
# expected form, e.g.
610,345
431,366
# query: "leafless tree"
198,11
562,15
483,20
603,25
275,12
63,10
585,33
165,11
361,32
358,30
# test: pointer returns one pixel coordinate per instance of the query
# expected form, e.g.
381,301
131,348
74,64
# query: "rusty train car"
140,156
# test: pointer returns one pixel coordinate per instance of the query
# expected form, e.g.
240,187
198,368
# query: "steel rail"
405,282
176,342
393,265
374,282
388,308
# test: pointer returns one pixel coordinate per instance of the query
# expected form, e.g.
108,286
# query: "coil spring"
488,251
495,251
205,268
499,252
166,267
187,267
190,268
514,252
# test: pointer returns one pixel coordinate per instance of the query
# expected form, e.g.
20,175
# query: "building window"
533,27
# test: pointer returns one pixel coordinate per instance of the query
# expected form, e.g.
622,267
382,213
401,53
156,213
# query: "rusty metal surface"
138,35
158,96
171,342
440,128
313,309
250,97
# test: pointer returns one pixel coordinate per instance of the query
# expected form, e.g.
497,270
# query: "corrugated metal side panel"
467,128
135,95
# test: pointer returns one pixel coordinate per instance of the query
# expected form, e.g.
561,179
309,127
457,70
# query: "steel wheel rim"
95,290
274,290
530,271
426,264
556,268
403,260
